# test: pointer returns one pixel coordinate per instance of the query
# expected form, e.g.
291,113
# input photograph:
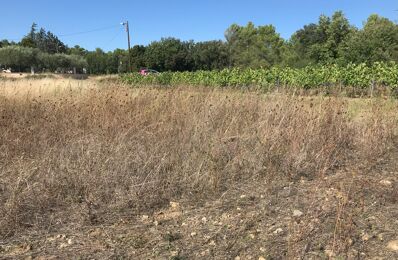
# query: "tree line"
331,40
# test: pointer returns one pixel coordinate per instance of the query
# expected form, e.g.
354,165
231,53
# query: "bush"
21,58
353,75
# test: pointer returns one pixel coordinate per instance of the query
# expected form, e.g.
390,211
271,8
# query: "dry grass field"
93,169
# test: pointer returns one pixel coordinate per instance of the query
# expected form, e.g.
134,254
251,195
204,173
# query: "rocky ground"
345,215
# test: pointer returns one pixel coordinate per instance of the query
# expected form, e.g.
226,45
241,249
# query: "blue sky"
151,20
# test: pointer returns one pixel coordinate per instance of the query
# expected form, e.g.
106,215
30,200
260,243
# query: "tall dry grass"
83,154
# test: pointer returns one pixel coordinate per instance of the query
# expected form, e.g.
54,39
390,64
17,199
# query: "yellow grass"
95,150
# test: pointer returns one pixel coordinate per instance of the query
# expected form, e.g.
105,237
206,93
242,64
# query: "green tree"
97,61
210,55
47,42
321,42
32,33
60,62
77,50
377,41
77,63
27,42
169,54
254,47
30,39
5,43
137,58
338,32
17,57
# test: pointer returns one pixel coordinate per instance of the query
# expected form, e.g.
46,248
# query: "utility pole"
126,24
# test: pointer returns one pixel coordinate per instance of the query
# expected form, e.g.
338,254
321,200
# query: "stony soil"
352,213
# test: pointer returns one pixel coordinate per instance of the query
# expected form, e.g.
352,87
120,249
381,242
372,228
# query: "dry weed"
82,153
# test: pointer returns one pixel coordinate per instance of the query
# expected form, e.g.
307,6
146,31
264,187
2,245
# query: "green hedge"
358,76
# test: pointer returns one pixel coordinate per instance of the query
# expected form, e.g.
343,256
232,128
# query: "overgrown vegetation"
361,77
75,155
23,59
121,149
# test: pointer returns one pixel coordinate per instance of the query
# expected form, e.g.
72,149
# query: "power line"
84,32
89,31
113,38
75,33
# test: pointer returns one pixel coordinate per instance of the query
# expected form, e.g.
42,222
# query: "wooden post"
372,87
128,43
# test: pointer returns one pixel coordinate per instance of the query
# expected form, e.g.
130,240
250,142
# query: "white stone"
174,204
365,237
385,182
393,245
297,213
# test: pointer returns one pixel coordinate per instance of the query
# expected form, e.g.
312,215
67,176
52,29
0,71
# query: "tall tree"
53,44
169,54
97,62
254,47
44,40
210,55
321,42
377,41
30,39
338,32
137,58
